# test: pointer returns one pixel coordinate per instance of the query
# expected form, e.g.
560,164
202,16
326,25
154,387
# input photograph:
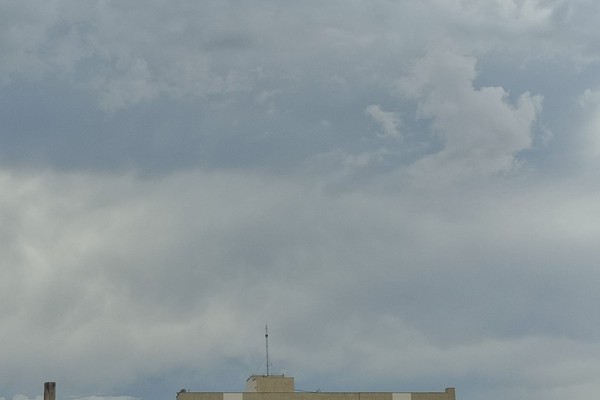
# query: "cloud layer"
406,193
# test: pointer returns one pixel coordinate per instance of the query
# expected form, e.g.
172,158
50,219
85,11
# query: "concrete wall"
271,383
448,394
199,396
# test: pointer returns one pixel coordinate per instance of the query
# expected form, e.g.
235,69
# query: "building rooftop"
281,387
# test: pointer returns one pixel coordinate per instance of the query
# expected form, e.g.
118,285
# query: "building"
280,387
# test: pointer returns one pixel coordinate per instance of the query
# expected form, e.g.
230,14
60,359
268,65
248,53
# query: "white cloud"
389,121
481,131
589,142
24,397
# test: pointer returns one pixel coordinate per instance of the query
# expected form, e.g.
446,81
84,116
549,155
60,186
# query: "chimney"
50,391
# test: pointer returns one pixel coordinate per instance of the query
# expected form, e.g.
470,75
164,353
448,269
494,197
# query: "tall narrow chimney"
50,391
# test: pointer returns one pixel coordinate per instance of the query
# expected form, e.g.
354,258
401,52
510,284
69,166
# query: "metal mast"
267,346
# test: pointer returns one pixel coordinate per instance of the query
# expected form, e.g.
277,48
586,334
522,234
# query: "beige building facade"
280,387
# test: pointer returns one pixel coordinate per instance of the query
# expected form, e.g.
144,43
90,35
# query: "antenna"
267,346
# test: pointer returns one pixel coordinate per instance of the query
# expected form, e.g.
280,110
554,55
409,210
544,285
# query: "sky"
407,192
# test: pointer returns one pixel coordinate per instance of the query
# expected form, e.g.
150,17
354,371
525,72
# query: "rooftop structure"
280,387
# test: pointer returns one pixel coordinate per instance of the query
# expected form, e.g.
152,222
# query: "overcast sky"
407,192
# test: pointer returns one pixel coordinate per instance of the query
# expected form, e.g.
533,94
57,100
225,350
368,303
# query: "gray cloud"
179,276
193,99
404,192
